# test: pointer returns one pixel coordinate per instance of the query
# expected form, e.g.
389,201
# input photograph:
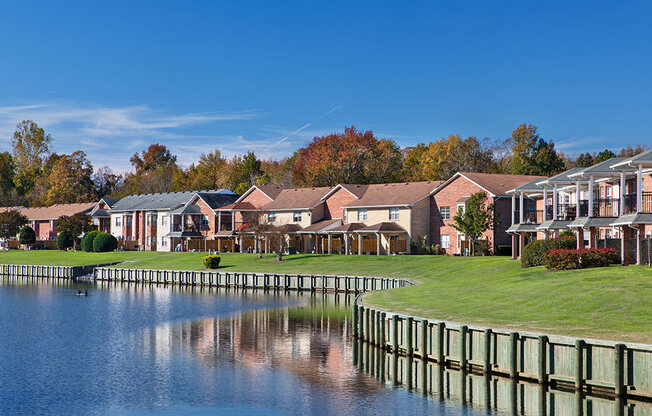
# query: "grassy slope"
612,303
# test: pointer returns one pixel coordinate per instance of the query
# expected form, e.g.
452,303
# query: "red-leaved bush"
564,259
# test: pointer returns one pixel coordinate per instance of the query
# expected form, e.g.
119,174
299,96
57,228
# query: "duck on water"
80,293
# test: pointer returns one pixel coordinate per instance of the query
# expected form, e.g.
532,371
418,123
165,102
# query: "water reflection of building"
485,393
310,342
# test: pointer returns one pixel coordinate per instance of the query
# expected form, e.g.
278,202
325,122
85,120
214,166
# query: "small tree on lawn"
76,225
258,226
11,223
475,219
278,240
27,235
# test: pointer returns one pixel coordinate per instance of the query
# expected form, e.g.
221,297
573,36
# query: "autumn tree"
350,157
259,228
10,223
441,159
7,172
69,180
532,155
156,156
210,172
476,218
630,151
31,147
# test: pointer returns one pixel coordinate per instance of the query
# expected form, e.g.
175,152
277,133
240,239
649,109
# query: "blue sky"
111,77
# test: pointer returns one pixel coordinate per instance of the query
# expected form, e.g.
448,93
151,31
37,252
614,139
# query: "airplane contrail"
308,124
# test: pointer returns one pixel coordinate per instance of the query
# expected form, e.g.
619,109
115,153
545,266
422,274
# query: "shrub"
65,240
532,254
104,242
87,241
212,261
561,259
567,233
482,248
27,235
564,259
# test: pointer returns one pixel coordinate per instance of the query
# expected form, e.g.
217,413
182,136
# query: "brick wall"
335,202
257,199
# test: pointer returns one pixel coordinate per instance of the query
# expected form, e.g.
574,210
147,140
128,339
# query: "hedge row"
532,255
565,259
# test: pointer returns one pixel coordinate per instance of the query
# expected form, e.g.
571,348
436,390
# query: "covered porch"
384,238
522,234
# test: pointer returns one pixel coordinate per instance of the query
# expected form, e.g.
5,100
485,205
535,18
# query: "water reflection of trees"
311,342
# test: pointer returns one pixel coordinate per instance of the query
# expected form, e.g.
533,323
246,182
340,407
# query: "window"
128,221
445,213
296,216
149,220
164,220
601,234
362,214
118,221
446,241
460,208
164,241
566,199
204,220
271,216
609,233
393,213
153,220
346,216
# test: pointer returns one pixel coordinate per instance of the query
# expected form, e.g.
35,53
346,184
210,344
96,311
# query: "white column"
219,221
233,221
378,244
513,209
639,189
578,191
545,203
359,243
408,242
145,236
554,202
183,223
133,225
520,206
346,244
330,243
590,213
638,245
622,193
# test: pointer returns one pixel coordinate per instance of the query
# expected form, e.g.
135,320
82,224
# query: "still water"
141,350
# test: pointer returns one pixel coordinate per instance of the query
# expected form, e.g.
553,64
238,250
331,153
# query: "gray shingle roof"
604,166
168,201
562,177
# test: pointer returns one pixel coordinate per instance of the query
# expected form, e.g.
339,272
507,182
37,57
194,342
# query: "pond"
139,350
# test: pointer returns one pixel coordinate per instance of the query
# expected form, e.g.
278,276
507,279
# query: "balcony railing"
189,228
565,212
530,217
606,207
630,203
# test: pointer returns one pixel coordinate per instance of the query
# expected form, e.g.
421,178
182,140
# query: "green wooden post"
424,340
395,334
441,332
543,354
366,324
361,322
513,355
487,350
463,334
579,364
408,336
619,367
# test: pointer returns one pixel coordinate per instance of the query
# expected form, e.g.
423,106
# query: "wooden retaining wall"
265,281
59,272
615,369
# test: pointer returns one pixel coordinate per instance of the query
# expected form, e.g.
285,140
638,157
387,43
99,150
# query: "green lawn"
610,303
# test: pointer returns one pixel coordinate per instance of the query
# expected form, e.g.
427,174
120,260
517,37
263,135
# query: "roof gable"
393,194
494,184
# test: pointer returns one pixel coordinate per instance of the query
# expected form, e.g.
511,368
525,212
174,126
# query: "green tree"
244,172
31,147
533,155
7,173
584,160
476,218
27,235
75,225
11,223
65,240
606,154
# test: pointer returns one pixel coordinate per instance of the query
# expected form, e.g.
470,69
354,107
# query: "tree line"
32,174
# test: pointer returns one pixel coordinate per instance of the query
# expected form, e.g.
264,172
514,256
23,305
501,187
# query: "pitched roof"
561,178
644,159
497,184
393,194
323,225
297,198
382,227
55,211
347,228
216,199
528,187
602,167
271,191
110,201
163,201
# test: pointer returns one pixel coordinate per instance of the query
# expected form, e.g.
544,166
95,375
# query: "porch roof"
644,159
603,168
188,209
633,219
562,178
585,222
347,228
100,213
382,227
322,226
523,228
553,225
184,234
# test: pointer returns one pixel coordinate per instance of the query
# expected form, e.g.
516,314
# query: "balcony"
565,212
530,217
630,203
196,228
606,208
